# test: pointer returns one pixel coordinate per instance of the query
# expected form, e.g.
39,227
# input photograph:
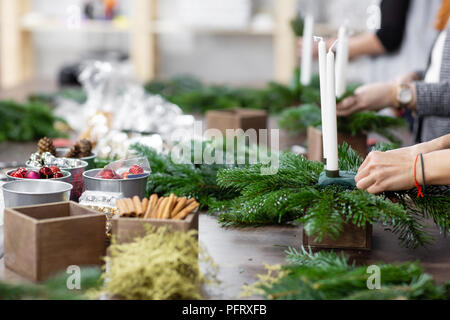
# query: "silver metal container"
76,178
66,177
26,192
60,152
128,187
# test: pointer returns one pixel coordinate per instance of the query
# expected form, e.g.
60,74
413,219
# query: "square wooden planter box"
315,148
41,240
352,237
236,118
126,229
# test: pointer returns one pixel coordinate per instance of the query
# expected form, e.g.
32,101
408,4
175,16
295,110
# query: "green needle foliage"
192,96
26,122
183,179
326,275
54,288
297,119
293,195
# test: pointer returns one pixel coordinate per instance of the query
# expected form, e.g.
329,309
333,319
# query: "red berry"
22,171
32,175
135,169
17,174
107,174
46,173
58,175
55,169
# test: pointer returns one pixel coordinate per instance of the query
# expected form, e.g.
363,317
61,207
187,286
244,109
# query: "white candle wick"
333,45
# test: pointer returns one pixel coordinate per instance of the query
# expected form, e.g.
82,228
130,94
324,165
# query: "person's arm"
365,44
393,23
431,99
394,170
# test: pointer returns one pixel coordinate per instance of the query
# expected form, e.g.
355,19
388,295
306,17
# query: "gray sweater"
433,102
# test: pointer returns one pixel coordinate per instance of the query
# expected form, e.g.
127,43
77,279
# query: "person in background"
402,43
394,170
425,94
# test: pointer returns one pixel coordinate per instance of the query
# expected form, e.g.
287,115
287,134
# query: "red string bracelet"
419,187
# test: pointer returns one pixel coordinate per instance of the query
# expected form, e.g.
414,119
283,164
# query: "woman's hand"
387,171
368,97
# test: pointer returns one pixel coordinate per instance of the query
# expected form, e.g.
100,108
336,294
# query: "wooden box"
236,118
351,237
41,240
126,229
315,148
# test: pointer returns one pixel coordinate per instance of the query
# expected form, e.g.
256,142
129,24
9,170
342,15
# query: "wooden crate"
351,237
41,240
236,118
126,229
315,147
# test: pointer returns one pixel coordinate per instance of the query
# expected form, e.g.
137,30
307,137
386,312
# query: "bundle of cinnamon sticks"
172,207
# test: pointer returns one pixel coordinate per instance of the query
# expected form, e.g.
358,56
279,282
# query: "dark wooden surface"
241,253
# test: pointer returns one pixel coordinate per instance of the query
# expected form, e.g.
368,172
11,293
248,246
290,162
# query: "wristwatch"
404,95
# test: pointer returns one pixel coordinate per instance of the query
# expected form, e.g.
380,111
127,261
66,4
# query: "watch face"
405,96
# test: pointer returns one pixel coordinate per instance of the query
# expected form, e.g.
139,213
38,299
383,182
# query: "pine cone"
74,152
85,147
46,145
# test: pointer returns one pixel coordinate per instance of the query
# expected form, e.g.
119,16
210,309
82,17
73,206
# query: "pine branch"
326,275
293,195
297,119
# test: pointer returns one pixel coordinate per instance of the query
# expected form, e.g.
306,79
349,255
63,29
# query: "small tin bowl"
75,179
128,187
66,177
26,192
60,152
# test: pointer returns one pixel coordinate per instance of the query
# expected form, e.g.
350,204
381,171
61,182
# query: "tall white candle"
322,53
307,50
341,61
331,121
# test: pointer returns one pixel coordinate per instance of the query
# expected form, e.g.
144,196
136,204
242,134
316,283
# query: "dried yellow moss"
162,265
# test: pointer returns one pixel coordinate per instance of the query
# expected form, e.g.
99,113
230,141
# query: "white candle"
307,49
341,61
331,121
322,52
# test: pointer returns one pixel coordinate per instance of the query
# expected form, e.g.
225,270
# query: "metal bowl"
76,178
128,187
66,177
60,152
27,192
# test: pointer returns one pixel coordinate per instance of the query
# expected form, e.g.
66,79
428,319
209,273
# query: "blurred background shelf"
19,21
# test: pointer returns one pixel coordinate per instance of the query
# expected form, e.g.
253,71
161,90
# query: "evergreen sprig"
297,119
293,195
26,122
327,275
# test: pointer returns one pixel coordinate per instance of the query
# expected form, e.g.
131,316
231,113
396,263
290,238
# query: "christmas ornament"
32,175
46,173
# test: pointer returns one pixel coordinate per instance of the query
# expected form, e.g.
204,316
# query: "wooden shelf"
17,23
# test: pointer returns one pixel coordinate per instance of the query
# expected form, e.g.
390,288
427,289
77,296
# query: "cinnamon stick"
151,204
183,213
138,206
130,206
179,206
144,205
168,207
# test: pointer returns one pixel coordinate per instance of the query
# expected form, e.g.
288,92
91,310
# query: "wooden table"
241,253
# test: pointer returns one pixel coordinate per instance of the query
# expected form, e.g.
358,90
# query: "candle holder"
341,178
